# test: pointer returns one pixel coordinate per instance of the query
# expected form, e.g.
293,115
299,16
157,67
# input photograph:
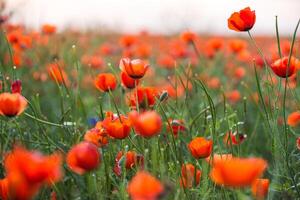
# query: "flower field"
103,115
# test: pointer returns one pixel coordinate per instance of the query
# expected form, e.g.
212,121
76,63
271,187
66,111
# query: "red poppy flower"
27,171
188,36
242,20
146,97
131,160
233,96
280,67
189,175
234,138
105,82
146,124
83,157
12,104
48,29
136,68
143,186
97,136
127,81
200,147
237,172
260,188
176,126
128,40
118,128
293,119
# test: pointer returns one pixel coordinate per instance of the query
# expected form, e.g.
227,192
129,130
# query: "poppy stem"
291,172
277,37
115,105
43,121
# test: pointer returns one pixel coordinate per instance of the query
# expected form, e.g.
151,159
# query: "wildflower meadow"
108,115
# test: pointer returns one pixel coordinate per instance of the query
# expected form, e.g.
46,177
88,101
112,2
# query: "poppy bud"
16,86
188,174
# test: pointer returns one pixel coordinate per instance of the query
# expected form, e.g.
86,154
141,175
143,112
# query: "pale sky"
158,16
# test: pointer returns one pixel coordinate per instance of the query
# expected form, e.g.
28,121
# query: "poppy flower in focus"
97,136
189,176
293,119
234,138
105,82
117,127
188,36
237,172
143,186
146,97
176,126
127,81
48,29
83,157
260,188
131,160
12,104
136,68
200,147
242,20
280,67
146,124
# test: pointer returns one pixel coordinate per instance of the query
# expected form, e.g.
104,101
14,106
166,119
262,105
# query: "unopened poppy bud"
16,86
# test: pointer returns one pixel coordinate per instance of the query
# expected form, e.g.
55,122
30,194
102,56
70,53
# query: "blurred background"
156,16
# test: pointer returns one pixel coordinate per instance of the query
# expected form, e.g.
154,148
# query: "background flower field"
104,115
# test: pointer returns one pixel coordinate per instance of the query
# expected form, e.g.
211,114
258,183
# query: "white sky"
162,16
